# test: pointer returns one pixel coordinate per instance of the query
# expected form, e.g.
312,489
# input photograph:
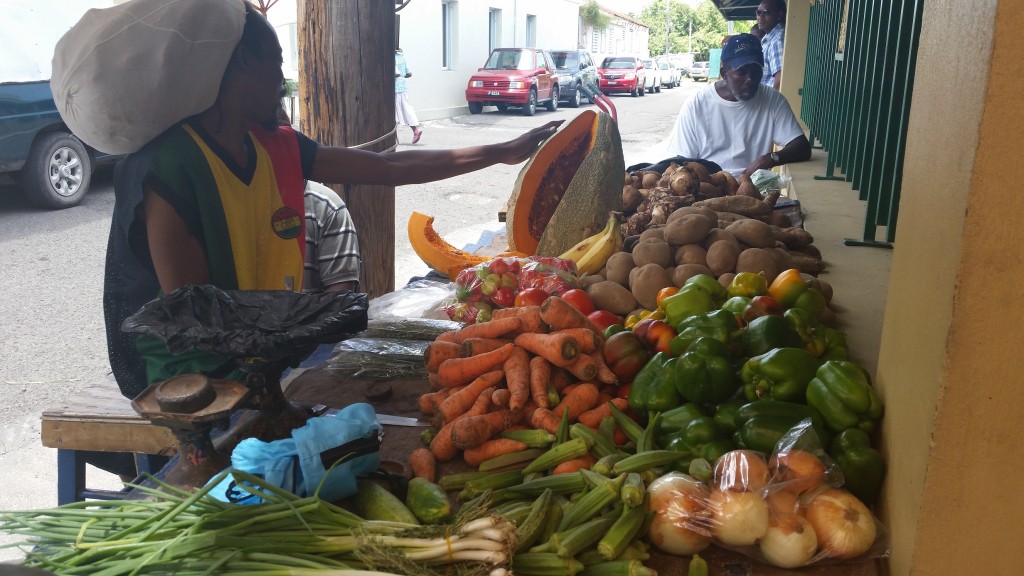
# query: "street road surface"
52,343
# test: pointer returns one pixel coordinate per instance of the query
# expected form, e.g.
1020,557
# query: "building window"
531,31
494,28
448,27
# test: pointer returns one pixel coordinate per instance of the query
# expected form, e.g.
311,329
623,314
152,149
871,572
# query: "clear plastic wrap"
380,357
408,328
788,510
420,299
495,283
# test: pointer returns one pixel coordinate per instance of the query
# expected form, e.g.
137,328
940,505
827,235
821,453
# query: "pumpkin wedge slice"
434,251
567,188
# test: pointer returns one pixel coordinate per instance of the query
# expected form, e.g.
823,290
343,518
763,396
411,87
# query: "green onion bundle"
182,533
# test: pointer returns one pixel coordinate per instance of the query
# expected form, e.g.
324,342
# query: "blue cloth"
771,45
294,464
401,68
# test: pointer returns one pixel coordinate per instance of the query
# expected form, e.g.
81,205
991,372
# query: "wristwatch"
775,158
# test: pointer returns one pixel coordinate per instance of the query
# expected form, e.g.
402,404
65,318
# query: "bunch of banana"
591,254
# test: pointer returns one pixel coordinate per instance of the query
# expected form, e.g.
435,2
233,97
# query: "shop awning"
737,9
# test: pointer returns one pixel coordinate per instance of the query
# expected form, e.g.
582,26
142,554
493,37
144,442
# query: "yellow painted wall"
794,54
949,363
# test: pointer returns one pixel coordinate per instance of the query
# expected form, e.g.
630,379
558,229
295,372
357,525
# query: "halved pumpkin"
566,190
434,251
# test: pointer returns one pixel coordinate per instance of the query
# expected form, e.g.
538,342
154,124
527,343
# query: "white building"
446,41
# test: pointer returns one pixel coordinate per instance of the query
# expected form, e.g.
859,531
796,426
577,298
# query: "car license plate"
494,93
613,82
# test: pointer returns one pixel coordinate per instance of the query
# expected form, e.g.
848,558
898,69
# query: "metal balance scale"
238,324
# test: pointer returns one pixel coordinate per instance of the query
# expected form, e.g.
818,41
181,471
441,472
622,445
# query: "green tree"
706,22
591,15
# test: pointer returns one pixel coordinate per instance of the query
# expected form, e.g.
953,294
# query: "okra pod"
529,530
607,428
458,481
511,460
562,433
495,480
600,445
567,450
533,438
645,443
628,425
559,484
545,565
642,461
603,466
622,532
633,490
698,566
574,540
618,568
553,519
593,502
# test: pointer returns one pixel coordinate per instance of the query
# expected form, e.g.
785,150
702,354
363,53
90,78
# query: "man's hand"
764,161
522,147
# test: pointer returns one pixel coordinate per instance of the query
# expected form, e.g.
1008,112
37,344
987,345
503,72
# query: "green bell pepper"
863,467
711,284
725,414
689,301
704,374
612,330
676,419
767,332
653,389
718,324
747,284
811,300
779,374
835,345
736,305
701,438
810,330
840,390
762,423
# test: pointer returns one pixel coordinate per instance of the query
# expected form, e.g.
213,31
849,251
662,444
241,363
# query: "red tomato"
530,297
579,300
603,318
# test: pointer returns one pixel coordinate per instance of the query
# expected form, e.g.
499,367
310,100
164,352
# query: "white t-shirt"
733,134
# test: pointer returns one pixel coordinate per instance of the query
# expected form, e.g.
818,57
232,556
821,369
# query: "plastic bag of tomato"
507,281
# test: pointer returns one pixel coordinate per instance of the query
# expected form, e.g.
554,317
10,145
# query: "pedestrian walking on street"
404,113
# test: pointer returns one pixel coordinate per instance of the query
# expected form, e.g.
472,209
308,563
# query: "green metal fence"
856,99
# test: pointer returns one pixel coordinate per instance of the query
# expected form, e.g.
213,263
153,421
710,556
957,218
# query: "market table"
336,388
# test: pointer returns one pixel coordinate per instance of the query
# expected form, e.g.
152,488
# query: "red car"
520,77
622,74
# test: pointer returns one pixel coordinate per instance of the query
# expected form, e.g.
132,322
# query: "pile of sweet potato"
525,368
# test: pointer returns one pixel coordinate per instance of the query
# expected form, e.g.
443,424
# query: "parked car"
574,67
669,73
522,77
622,74
53,166
652,78
699,71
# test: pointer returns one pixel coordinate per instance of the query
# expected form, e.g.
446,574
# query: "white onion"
737,518
797,471
680,518
843,524
789,541
740,470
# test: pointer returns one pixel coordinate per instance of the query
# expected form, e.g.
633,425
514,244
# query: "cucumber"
374,502
428,501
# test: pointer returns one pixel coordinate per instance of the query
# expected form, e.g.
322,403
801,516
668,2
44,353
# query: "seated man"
737,121
332,247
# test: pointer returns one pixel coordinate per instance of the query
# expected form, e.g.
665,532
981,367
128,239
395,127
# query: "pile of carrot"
524,368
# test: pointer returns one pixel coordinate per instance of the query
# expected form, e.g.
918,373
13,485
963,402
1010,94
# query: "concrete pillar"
794,54
949,362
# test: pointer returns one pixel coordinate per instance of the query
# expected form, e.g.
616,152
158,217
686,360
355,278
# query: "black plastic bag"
679,160
268,324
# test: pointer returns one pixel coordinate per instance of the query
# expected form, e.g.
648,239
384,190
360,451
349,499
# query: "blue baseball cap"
742,49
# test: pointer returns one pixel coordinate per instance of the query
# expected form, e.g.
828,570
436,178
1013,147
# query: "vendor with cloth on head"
212,191
738,121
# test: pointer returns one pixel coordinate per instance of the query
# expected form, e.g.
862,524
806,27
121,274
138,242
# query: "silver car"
699,71
669,73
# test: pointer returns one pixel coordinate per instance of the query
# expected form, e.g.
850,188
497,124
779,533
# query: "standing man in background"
771,19
404,114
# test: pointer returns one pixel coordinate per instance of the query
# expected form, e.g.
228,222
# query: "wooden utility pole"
346,96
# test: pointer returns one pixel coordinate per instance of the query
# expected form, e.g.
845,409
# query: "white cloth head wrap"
123,75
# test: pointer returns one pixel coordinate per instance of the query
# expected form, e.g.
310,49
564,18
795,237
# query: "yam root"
745,205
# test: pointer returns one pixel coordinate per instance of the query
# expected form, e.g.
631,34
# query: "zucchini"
374,502
428,501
